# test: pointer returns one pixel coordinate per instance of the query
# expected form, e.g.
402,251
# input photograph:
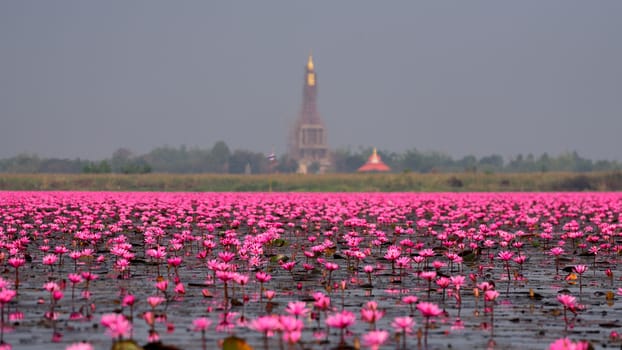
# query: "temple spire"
374,157
310,72
308,144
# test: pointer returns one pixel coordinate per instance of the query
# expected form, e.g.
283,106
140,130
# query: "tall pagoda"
308,143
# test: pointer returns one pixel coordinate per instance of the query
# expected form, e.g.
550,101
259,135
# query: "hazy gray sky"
83,78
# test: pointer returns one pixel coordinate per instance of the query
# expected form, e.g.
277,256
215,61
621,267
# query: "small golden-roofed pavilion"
374,163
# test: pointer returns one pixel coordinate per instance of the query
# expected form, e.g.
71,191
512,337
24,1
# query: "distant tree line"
220,159
346,161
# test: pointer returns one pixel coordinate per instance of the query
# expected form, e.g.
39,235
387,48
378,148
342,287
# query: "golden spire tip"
310,65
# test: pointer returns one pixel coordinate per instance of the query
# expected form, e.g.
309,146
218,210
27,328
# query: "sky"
84,78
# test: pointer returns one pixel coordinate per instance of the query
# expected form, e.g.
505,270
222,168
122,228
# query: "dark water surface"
527,314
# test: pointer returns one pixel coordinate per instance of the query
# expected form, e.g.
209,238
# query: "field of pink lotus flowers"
89,270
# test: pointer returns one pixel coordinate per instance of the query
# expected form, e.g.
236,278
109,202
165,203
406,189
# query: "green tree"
491,163
468,163
345,161
286,164
258,162
219,156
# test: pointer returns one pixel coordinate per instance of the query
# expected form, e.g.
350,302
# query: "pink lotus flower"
556,252
505,255
201,324
567,344
437,264
174,261
375,339
288,266
241,279
443,282
341,320
428,275
6,295
266,325
88,276
118,327
74,278
269,294
290,324
3,283
410,300
49,259
79,346
322,302
297,308
393,252
580,269
484,286
226,257
162,286
491,295
331,266
403,324
427,253
429,309
149,318
263,277
371,316
568,301
128,300
154,301
16,262
292,337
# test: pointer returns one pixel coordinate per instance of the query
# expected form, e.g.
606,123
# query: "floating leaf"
279,257
609,297
235,343
357,343
329,252
535,296
613,324
571,278
125,345
159,346
556,312
279,242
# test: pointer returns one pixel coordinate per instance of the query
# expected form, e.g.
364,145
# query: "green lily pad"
126,345
235,343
